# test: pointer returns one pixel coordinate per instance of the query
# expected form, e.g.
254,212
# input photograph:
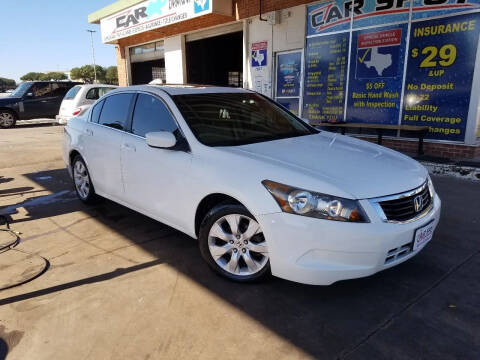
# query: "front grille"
403,208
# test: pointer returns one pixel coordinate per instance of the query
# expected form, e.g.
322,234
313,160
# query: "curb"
453,170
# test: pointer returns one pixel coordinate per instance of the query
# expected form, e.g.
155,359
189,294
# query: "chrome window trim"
375,202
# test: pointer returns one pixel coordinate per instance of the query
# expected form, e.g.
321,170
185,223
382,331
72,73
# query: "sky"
49,35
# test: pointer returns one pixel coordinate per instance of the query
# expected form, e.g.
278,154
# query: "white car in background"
79,98
261,190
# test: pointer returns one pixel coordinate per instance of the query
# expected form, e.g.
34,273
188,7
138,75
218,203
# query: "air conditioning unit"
273,17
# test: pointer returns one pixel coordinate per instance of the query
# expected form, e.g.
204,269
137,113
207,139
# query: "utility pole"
93,55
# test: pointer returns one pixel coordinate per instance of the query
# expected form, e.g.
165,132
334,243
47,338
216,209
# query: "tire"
8,119
240,255
82,182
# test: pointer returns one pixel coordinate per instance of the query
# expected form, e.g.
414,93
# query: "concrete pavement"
122,286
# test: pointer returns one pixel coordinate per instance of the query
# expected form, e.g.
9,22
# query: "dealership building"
388,63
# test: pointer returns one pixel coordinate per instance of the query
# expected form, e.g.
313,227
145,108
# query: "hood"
7,100
358,167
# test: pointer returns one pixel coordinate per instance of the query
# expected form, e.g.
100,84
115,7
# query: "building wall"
121,65
288,34
175,59
164,33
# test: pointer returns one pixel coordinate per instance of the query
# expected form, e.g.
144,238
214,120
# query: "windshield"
21,90
227,119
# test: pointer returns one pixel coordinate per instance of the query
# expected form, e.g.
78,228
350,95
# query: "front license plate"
423,235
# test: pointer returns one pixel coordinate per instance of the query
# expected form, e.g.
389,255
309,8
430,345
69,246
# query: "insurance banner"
441,62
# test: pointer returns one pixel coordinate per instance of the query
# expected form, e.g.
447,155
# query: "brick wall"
449,151
248,8
121,65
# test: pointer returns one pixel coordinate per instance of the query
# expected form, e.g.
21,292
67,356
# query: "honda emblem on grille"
418,203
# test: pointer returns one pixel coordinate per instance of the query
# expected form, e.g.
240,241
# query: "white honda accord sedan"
262,191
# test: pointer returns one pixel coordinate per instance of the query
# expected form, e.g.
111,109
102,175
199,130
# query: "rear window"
97,93
72,93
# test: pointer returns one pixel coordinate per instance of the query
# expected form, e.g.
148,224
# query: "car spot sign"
259,54
151,14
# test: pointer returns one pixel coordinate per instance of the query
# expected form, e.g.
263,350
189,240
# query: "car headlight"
431,189
308,203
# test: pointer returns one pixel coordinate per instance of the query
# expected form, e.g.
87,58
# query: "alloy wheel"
81,179
237,245
6,119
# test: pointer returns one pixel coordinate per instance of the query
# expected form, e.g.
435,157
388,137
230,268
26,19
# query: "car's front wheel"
233,244
7,119
82,181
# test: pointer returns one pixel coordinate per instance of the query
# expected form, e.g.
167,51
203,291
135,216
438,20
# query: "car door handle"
130,147
89,132
44,101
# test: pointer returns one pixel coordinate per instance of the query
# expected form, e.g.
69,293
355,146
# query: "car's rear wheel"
82,181
7,119
233,244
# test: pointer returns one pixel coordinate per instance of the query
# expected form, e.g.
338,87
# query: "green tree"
86,73
54,75
111,75
7,83
32,76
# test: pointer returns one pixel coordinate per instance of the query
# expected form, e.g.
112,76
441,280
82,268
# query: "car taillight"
76,111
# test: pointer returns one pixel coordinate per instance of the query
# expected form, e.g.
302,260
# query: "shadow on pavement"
18,190
326,322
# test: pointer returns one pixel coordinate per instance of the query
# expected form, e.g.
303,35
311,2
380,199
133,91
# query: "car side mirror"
161,139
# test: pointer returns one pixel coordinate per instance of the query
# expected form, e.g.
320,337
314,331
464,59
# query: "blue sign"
373,13
290,104
200,5
440,68
289,69
327,17
259,57
376,75
336,15
326,61
441,7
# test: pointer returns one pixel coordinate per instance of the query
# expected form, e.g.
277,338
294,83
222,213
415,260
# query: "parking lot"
120,285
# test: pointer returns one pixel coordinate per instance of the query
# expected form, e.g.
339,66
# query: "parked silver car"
79,98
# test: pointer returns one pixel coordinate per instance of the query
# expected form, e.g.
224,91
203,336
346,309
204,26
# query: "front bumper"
321,252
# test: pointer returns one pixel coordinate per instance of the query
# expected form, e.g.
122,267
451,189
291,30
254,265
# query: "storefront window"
289,80
147,48
375,65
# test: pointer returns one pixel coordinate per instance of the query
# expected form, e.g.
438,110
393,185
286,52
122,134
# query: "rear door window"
151,114
41,90
96,110
116,110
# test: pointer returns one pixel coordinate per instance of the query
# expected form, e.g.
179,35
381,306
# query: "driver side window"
115,111
151,114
